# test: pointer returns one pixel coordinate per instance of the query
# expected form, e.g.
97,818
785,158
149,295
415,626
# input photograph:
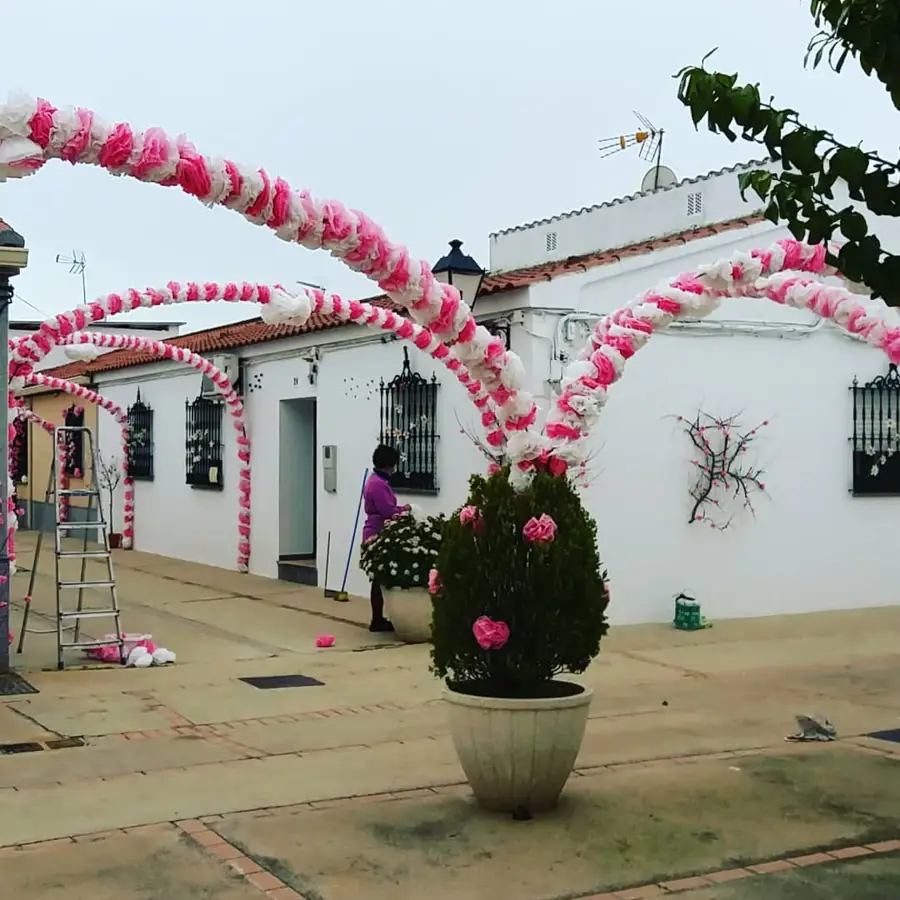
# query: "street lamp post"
461,271
13,258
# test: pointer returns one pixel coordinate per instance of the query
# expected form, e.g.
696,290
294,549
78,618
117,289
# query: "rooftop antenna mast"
649,141
77,264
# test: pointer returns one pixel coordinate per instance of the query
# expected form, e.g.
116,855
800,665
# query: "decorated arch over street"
84,345
790,272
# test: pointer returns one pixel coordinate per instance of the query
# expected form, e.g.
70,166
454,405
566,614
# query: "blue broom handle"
362,491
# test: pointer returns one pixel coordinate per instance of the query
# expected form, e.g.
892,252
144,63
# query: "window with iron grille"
74,454
876,435
409,423
203,443
140,440
18,451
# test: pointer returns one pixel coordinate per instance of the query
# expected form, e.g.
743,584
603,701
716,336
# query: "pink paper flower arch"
229,396
64,330
83,393
789,273
27,415
34,131
277,306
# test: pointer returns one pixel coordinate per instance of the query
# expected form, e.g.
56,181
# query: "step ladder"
68,620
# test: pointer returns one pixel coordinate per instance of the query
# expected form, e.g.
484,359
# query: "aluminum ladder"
67,619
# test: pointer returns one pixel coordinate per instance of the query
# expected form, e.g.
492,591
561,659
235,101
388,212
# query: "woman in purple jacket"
381,505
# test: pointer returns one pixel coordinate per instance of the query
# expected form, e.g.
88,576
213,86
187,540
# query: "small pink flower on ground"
325,640
434,581
489,634
539,531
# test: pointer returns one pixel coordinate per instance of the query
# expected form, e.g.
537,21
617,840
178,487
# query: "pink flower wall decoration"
539,531
490,635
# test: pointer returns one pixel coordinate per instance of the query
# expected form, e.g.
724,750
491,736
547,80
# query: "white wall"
810,547
349,378
172,518
624,221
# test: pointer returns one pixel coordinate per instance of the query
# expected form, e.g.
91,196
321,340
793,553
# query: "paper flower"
468,515
539,531
490,635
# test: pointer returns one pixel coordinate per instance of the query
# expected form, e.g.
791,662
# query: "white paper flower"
82,352
284,308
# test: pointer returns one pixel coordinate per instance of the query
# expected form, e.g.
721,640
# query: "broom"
342,596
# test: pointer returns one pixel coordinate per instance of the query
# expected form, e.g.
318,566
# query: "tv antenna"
77,264
649,141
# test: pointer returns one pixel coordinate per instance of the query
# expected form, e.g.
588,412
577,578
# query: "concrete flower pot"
410,612
518,754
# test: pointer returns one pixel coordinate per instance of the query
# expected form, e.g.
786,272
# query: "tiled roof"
255,331
716,173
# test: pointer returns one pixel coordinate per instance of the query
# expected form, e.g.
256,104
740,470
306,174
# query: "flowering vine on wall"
722,480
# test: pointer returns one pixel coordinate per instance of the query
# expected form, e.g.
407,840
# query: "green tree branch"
812,162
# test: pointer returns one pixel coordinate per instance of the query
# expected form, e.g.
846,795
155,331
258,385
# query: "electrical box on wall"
329,468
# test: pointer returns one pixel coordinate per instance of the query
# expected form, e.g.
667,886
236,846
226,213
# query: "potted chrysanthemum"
519,599
400,558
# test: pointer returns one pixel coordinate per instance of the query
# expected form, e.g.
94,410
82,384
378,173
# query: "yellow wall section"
51,407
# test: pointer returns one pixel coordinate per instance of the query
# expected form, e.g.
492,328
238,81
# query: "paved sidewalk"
683,763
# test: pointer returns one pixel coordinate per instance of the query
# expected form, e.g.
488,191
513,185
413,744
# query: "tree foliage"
812,159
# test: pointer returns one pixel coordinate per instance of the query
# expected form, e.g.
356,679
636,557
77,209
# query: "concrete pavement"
193,742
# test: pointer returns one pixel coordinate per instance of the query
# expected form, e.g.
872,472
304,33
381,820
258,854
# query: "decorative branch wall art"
723,481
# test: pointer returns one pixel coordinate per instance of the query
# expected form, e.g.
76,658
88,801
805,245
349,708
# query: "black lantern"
461,271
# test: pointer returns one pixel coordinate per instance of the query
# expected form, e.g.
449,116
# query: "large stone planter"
518,754
410,612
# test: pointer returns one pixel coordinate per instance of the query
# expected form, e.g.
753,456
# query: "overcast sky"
440,120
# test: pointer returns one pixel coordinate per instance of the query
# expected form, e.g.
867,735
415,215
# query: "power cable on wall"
38,310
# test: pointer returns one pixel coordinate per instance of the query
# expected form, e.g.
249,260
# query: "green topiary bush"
545,599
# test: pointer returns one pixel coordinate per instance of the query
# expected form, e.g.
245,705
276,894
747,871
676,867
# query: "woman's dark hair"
385,457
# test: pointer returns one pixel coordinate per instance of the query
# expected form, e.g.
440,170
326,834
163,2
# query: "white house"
317,391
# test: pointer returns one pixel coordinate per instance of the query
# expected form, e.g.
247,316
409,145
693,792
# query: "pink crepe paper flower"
325,640
471,515
557,466
434,581
490,635
539,531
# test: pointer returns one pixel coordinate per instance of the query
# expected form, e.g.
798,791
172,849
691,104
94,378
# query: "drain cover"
9,749
12,683
892,735
270,682
66,743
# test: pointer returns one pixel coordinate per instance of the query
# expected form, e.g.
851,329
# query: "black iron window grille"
74,449
203,443
408,422
18,451
140,440
876,435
